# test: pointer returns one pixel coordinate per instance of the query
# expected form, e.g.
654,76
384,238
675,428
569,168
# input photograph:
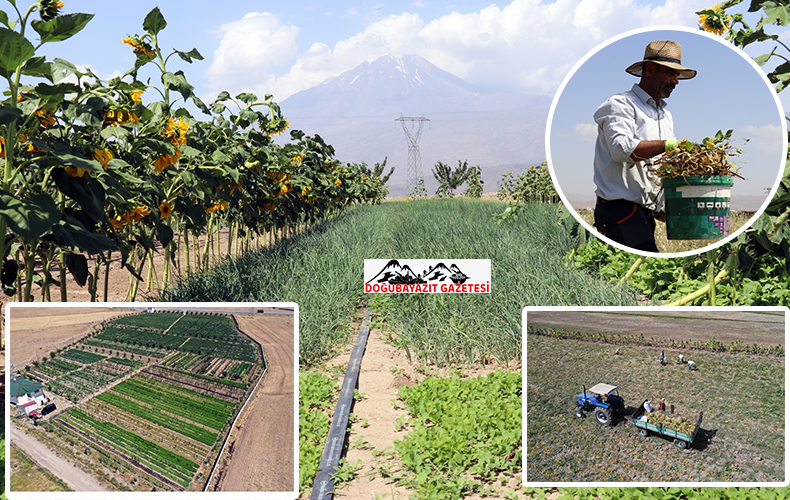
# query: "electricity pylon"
414,170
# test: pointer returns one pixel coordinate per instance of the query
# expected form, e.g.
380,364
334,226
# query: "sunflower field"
97,170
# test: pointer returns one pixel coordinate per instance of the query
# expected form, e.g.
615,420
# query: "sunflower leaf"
154,22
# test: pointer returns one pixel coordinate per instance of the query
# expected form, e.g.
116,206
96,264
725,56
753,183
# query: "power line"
414,170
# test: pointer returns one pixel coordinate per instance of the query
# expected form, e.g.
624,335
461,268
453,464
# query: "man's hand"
661,216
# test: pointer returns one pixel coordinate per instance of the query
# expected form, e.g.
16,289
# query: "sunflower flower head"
176,131
136,96
274,126
49,9
165,210
139,45
137,213
714,20
118,116
75,171
46,119
164,161
103,156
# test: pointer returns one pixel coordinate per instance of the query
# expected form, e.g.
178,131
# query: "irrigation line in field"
324,485
238,415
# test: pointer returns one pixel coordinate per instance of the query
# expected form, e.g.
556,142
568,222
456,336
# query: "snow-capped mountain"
356,111
394,273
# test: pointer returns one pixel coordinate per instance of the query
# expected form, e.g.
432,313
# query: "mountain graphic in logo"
393,273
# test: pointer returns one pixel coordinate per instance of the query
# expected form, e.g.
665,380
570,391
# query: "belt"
602,201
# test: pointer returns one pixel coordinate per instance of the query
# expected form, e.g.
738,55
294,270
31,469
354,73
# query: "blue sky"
281,48
727,93
284,47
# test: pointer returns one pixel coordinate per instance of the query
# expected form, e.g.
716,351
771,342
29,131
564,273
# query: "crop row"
64,364
81,383
214,368
242,352
80,356
173,441
208,327
237,370
141,338
156,457
192,405
128,175
156,413
224,389
159,321
711,345
207,378
152,352
126,362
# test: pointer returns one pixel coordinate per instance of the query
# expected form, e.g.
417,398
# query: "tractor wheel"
681,444
642,432
603,416
579,411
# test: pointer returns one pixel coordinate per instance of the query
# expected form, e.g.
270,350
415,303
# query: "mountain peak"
356,112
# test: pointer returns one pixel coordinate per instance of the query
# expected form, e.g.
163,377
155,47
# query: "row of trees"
94,170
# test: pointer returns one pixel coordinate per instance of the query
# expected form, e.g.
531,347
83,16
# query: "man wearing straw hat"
634,127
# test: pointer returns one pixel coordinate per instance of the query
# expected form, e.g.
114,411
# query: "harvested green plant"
711,157
671,422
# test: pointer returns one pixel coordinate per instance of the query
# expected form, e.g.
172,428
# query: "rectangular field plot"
724,419
80,356
79,384
163,429
159,321
146,401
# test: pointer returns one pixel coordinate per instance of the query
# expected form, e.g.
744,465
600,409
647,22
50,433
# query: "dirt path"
383,369
373,431
74,477
262,442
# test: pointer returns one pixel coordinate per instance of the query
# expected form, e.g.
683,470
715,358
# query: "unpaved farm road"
263,439
74,477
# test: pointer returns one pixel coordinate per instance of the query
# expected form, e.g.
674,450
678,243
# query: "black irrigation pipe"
324,485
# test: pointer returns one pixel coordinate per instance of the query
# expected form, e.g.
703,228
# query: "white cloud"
764,138
585,131
526,46
249,48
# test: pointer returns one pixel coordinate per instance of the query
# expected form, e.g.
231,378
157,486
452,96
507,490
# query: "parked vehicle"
48,409
681,439
603,400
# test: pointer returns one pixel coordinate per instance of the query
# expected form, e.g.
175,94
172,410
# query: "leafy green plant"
317,394
474,184
465,432
449,178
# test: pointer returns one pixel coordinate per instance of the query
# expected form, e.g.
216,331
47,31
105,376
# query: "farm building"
27,395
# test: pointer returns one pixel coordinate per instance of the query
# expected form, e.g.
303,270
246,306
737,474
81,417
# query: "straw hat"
665,52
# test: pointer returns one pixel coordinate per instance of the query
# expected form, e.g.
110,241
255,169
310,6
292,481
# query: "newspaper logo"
461,276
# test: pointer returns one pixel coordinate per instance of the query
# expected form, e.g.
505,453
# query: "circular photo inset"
666,141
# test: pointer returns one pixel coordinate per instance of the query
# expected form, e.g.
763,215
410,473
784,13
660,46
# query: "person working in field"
634,127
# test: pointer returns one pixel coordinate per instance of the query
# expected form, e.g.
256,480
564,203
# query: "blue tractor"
603,401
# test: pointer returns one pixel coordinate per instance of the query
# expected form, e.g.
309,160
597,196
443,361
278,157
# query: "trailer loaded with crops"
683,430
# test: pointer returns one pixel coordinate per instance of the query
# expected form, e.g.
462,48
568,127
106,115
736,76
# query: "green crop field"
741,438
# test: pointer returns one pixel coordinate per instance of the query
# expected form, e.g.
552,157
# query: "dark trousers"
627,223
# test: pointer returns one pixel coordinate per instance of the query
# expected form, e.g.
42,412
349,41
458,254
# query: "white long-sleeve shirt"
624,120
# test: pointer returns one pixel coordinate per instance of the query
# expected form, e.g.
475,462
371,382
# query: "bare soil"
39,330
261,444
741,396
383,371
727,325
